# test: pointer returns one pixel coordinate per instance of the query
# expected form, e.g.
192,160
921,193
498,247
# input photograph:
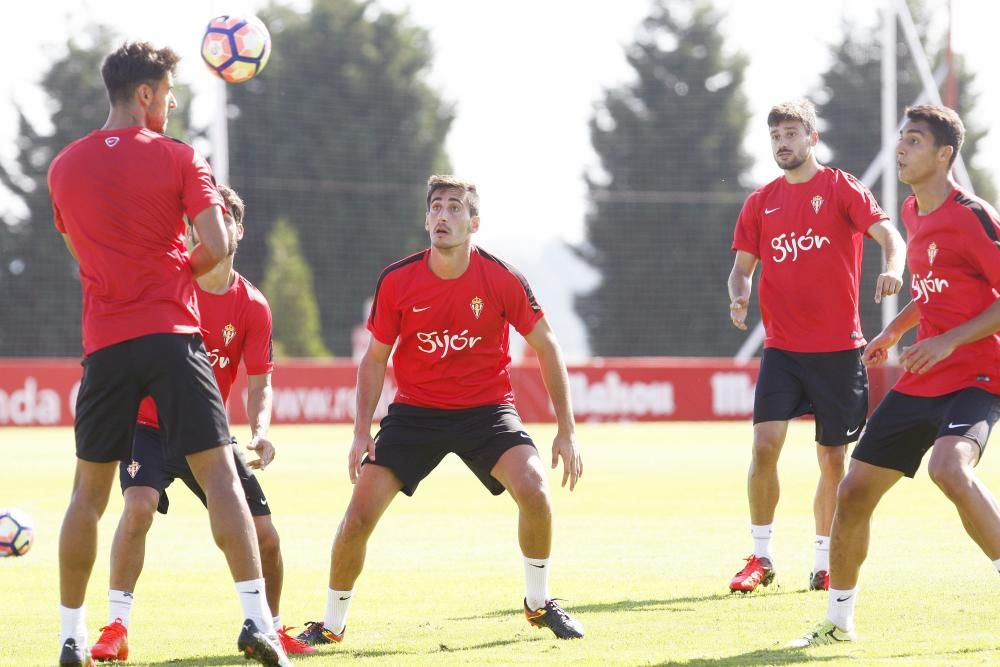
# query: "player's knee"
137,517
852,498
534,498
356,525
832,461
268,542
950,476
766,451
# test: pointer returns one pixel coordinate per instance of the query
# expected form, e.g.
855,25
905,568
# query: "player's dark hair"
449,182
234,203
133,64
802,111
946,126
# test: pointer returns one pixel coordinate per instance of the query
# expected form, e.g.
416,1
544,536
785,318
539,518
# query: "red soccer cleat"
113,644
757,572
819,581
291,644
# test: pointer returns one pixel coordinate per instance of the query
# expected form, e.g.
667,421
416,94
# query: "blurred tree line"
330,148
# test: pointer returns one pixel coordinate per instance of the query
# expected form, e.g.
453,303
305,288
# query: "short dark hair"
945,124
449,182
133,64
802,111
234,203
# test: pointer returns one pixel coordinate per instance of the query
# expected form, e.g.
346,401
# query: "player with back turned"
120,196
805,228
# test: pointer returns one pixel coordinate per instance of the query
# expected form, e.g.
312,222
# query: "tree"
338,136
289,289
850,115
40,296
663,211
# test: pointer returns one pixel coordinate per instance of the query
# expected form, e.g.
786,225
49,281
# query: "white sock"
73,623
338,603
119,607
822,561
996,564
840,607
536,582
277,621
762,540
254,602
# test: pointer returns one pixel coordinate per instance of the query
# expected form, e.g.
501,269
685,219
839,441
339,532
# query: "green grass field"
644,549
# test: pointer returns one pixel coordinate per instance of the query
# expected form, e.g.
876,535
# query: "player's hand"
738,312
264,450
922,356
565,447
888,284
877,351
363,444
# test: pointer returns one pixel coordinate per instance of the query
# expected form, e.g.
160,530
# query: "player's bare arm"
877,351
259,398
923,355
371,377
890,281
213,241
543,341
740,283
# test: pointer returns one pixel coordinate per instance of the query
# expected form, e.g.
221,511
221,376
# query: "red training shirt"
953,254
236,325
453,349
121,196
808,239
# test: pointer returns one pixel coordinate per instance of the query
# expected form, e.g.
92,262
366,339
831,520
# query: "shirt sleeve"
258,351
56,215
523,311
746,237
385,317
983,247
859,203
199,185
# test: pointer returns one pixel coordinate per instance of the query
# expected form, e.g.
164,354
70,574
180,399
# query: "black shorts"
148,467
174,370
904,427
831,385
412,441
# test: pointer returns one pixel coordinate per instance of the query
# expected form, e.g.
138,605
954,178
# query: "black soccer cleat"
317,634
74,656
264,648
555,618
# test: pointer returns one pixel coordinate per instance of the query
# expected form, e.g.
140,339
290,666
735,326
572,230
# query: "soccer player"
119,196
236,324
805,228
948,397
450,308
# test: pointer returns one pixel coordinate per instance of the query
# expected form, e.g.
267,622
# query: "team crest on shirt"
111,141
133,468
932,252
228,333
477,306
816,202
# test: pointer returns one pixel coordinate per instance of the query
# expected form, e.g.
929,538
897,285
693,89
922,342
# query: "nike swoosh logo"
347,598
844,599
420,310
950,425
263,501
257,592
540,567
854,430
769,211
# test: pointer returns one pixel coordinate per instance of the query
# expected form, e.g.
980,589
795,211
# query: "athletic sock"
73,623
822,562
996,564
119,607
536,582
840,607
254,602
762,540
338,603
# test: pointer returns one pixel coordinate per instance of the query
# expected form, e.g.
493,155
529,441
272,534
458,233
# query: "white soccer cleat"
824,633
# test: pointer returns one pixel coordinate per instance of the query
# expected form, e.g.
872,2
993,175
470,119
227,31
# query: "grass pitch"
644,549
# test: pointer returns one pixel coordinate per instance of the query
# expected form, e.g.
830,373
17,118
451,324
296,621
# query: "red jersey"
236,325
121,196
953,254
453,349
808,238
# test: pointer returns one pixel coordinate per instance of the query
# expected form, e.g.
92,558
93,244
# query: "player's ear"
474,223
813,138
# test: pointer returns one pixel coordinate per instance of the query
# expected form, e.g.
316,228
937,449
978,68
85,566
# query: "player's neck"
450,263
933,192
219,279
120,117
804,172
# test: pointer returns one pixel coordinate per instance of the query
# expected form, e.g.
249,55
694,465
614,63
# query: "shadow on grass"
770,656
636,605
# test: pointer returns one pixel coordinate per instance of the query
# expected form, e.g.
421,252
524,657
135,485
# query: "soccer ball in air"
16,533
236,48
